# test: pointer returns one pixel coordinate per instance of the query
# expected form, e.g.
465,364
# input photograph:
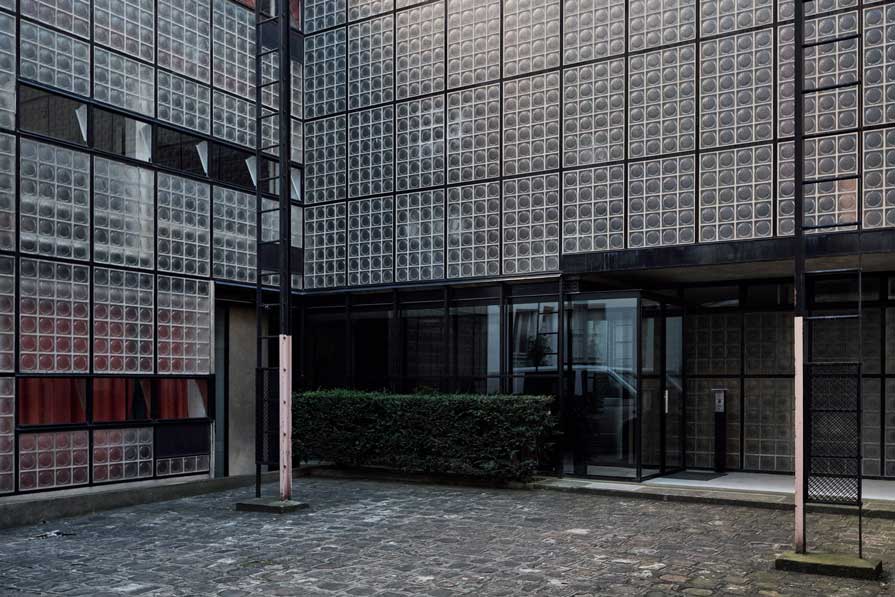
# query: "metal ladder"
273,279
831,388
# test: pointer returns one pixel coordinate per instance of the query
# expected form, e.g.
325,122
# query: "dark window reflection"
475,348
180,151
116,399
52,115
424,348
121,135
52,401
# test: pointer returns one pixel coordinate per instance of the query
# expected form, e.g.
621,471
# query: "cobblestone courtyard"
370,538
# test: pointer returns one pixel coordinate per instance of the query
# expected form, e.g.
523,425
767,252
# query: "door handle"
666,401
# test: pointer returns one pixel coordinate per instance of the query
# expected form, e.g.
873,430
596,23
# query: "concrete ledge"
829,564
270,506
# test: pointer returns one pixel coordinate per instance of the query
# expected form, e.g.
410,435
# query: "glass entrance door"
674,393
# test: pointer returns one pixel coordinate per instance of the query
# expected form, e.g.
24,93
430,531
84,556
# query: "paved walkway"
390,540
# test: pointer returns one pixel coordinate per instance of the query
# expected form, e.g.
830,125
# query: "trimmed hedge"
495,437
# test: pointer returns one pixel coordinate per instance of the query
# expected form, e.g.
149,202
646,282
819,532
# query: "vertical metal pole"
799,273
285,417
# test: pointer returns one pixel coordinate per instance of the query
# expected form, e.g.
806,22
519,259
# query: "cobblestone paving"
391,540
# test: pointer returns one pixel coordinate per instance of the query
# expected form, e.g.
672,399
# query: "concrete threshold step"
725,497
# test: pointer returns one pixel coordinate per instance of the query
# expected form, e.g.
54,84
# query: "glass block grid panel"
54,303
371,62
123,214
768,425
785,188
593,30
737,89
7,192
420,138
726,16
768,343
7,313
713,343
122,454
473,239
54,210
326,163
834,63
662,102
126,25
69,15
234,119
473,134
879,65
370,241
656,23
184,37
234,223
181,465
420,50
531,124
234,48
184,102
871,427
7,433
832,156
420,236
700,422
325,73
531,36
123,82
879,178
371,151
593,209
473,42
123,319
184,325
53,459
890,428
661,202
325,236
785,81
831,202
184,215
531,224
831,110
594,113
54,59
323,14
361,9
736,194
7,71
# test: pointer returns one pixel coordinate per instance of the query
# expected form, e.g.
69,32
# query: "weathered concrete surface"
389,539
831,564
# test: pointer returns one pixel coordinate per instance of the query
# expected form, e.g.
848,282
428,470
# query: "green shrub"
495,437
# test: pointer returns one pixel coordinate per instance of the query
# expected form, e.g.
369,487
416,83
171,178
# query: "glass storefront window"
475,348
534,347
423,344
116,399
52,401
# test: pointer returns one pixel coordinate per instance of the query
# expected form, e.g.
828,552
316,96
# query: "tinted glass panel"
121,135
182,398
121,399
52,401
52,115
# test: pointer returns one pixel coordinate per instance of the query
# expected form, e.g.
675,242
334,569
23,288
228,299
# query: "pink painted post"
285,417
799,419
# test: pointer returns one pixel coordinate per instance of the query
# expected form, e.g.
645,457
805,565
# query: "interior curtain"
45,401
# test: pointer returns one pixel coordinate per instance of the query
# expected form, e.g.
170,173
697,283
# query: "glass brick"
593,209
473,42
473,132
785,188
7,71
234,119
326,161
123,212
662,102
785,82
122,454
420,50
473,232
737,89
736,194
371,62
531,36
54,216
879,178
126,25
123,82
323,14
54,317
361,9
593,30
184,224
654,23
594,113
371,241
72,16
531,124
662,202
420,139
7,433
53,59
53,459
726,16
325,237
235,235
7,313
7,192
182,465
531,224
879,65
234,49
371,152
184,102
420,236
123,318
326,68
184,323
184,37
